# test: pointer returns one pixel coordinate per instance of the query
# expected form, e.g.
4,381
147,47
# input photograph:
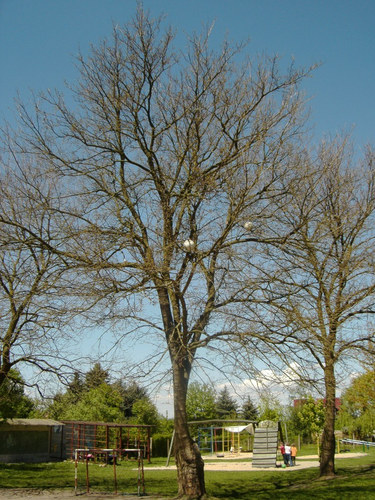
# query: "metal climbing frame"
83,435
87,454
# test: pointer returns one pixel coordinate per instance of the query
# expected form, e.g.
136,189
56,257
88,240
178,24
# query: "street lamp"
189,245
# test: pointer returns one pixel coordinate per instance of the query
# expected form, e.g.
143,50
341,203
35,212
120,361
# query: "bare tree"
170,162
34,305
321,281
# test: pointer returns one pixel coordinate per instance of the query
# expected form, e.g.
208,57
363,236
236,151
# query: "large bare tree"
320,288
171,162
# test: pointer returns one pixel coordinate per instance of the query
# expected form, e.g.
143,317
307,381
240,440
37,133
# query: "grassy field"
355,480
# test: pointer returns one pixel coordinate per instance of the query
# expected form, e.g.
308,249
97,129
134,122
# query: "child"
282,451
293,453
287,455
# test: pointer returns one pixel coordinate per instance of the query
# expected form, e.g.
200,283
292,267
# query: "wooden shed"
31,440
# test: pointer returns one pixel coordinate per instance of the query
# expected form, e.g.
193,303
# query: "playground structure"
100,435
364,444
232,439
109,455
265,446
211,435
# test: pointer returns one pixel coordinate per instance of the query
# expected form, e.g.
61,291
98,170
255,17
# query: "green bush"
160,445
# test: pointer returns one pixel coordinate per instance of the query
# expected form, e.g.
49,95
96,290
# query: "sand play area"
229,462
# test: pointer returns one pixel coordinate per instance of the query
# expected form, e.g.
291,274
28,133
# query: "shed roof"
31,422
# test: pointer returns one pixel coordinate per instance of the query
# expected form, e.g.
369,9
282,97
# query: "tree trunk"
327,454
190,466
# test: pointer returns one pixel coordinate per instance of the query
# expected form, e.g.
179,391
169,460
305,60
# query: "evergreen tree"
96,376
76,386
249,410
130,393
226,406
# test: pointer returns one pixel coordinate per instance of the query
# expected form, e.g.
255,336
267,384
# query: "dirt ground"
226,463
66,494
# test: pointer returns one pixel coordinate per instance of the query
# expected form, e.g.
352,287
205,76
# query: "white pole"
170,449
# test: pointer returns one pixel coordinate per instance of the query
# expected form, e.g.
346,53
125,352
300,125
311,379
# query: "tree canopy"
13,401
357,411
92,397
200,402
309,417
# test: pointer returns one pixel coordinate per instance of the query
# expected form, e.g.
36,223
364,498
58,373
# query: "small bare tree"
34,305
321,280
171,162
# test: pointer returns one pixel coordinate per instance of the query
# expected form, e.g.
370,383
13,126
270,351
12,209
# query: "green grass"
350,483
355,480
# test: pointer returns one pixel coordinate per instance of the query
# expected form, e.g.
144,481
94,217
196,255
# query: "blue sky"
39,39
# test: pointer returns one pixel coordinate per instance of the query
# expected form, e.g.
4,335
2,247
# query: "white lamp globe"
189,245
248,225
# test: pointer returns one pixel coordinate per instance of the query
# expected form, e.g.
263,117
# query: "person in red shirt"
282,451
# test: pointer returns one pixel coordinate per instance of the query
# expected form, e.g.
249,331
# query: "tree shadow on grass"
350,482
